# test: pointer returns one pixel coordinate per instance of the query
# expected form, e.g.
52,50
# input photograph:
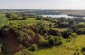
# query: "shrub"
38,38
80,31
45,43
83,49
31,33
58,40
33,47
52,40
72,36
67,33
76,53
55,40
54,32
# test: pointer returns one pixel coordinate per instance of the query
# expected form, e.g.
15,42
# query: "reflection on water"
57,16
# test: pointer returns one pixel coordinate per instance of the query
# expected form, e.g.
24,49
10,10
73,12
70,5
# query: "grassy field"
60,29
28,21
68,48
3,20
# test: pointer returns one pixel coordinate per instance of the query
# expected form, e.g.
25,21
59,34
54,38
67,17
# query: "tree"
67,33
31,33
58,40
24,17
55,40
72,36
83,50
52,40
33,47
45,43
62,19
38,39
39,18
54,32
11,16
71,22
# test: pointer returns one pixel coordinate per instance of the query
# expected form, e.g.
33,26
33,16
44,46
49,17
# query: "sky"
42,4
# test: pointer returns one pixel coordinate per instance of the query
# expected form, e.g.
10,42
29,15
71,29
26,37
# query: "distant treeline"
44,11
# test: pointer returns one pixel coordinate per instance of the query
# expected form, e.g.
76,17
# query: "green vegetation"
67,48
33,47
30,22
60,29
24,52
41,35
3,20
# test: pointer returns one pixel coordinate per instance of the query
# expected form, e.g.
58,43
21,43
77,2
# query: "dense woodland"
23,34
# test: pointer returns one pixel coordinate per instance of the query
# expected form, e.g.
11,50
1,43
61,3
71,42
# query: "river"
59,16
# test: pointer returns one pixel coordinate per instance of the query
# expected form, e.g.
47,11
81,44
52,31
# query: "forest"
30,34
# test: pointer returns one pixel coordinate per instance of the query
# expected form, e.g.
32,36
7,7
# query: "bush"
55,40
67,33
31,33
72,36
58,40
45,44
33,47
54,32
83,49
52,40
76,53
80,31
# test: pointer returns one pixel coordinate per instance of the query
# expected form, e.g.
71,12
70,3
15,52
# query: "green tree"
33,47
71,22
55,40
72,36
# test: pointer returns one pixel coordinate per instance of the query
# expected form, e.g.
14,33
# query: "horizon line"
36,9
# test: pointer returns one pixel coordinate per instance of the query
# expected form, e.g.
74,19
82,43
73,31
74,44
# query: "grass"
30,21
3,20
60,29
68,48
54,51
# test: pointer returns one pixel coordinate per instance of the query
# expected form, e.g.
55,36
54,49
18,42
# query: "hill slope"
68,48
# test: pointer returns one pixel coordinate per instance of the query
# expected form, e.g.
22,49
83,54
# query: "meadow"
68,48
3,20
60,29
30,21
